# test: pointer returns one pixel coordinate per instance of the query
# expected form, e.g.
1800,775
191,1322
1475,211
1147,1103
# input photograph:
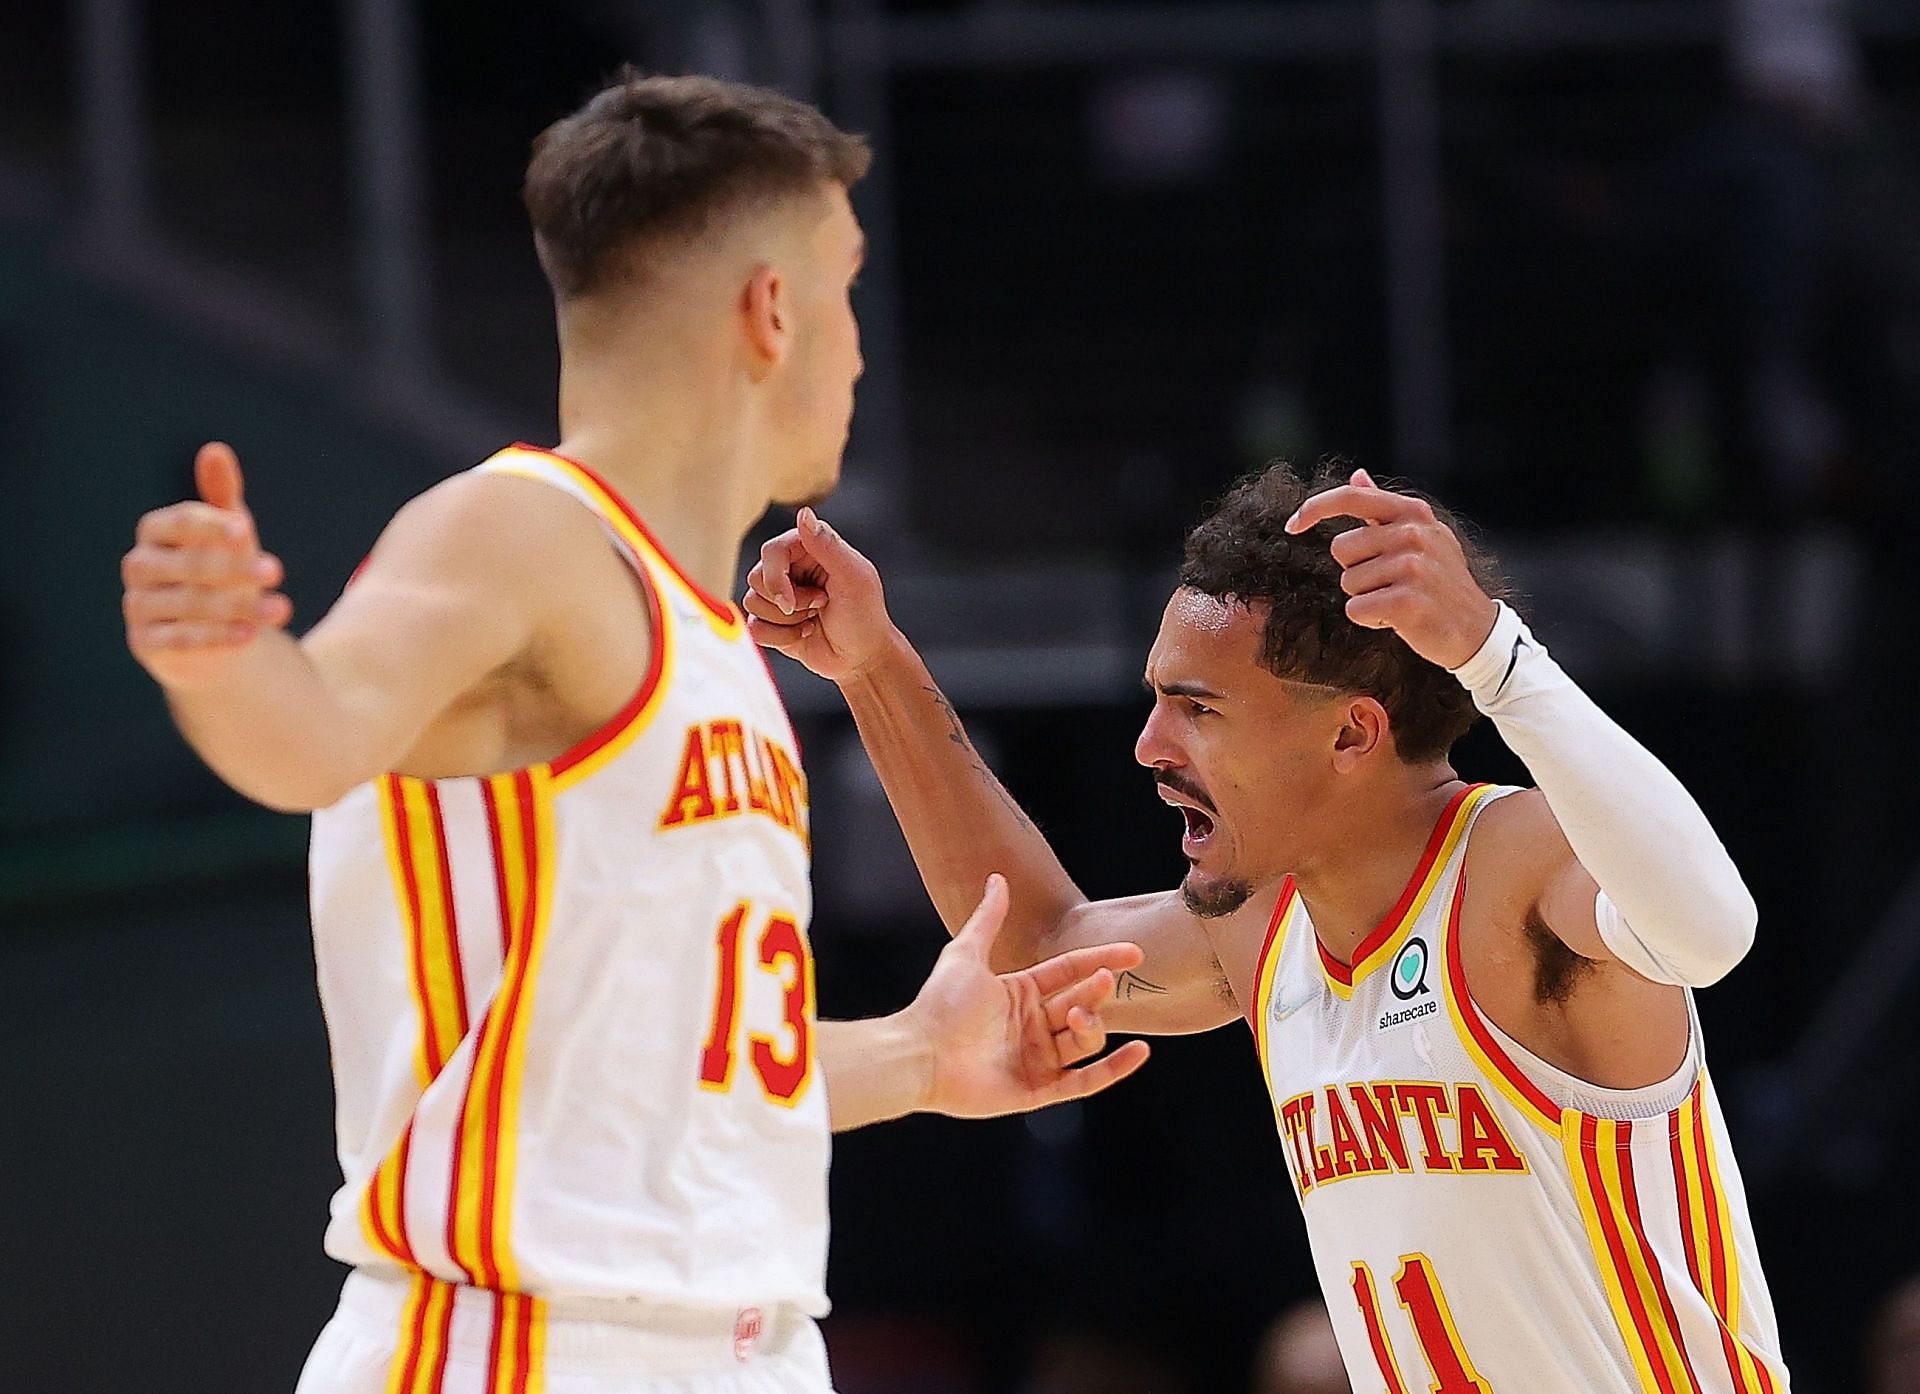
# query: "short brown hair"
658,157
1243,552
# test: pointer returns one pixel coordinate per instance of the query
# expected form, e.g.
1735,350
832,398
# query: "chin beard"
1212,897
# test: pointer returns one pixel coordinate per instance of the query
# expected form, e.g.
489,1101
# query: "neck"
1372,847
676,435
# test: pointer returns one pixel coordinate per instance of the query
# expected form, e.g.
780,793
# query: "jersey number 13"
781,1065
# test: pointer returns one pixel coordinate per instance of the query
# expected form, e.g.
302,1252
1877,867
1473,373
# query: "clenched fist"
817,600
1404,570
198,587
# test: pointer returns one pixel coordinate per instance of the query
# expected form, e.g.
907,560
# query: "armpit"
1557,969
1223,986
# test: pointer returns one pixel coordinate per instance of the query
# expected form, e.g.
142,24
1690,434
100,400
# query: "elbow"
1736,919
1027,939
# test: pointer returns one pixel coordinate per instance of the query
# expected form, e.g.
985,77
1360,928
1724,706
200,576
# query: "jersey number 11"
1426,1305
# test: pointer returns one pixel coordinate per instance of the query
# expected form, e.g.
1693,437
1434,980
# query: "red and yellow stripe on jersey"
1387,938
1707,1229
1263,970
416,840
520,823
1600,1155
520,818
516,1347
1481,1044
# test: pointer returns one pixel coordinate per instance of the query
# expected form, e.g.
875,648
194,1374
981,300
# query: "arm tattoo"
1130,985
957,733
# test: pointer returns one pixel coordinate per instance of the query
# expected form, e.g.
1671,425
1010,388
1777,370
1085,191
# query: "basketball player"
560,840
1472,1004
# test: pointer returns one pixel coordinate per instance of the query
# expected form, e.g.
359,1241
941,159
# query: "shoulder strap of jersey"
620,519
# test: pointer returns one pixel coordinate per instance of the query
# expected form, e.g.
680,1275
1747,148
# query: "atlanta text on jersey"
1361,1129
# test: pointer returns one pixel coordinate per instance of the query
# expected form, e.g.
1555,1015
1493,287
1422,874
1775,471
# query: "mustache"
1181,785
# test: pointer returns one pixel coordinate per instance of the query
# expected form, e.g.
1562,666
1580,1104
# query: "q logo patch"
1410,970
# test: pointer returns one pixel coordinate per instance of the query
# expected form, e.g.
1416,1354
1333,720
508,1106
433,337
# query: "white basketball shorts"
395,1335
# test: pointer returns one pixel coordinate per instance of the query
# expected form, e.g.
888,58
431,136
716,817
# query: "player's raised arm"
294,724
819,601
1640,878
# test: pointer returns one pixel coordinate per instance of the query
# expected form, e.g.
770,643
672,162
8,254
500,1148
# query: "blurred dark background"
1635,284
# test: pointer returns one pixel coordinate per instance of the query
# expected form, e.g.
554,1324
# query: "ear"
766,313
1364,729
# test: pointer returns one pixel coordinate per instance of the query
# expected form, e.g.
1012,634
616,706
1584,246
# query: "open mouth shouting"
1195,807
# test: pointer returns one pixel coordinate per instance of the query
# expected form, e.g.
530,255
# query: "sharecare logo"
1389,1020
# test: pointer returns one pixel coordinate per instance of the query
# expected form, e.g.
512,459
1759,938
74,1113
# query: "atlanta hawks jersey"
1481,1222
572,1006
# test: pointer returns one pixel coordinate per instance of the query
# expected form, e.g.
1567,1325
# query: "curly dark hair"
653,157
1243,552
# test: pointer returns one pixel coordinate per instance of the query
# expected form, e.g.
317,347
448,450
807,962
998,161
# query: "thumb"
826,546
1362,480
216,473
983,925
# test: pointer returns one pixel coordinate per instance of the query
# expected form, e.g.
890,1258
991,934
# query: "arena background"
1634,283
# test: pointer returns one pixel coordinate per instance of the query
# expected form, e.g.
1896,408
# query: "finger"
782,637
1064,970
760,607
976,936
1362,480
200,566
1103,1073
176,635
216,474
1090,994
830,551
273,611
1370,505
188,524
154,604
1356,545
1381,572
1083,1037
1377,609
778,555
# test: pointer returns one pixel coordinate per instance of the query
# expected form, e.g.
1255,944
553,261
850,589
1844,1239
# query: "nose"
1156,747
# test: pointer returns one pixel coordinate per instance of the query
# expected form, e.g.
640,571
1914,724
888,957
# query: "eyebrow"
1178,689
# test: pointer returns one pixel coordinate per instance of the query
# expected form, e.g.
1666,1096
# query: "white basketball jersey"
572,1006
1481,1222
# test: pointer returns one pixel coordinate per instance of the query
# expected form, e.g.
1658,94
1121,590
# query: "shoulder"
481,521
1516,850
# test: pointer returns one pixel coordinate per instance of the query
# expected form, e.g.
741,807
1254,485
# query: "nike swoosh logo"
1513,661
1283,1010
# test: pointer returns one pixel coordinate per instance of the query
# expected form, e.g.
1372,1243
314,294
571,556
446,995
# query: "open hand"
1008,1043
814,598
1404,569
198,587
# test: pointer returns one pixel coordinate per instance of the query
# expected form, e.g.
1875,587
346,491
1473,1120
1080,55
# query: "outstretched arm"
819,601
445,599
973,1045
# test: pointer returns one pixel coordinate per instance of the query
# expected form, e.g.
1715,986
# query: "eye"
1199,708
